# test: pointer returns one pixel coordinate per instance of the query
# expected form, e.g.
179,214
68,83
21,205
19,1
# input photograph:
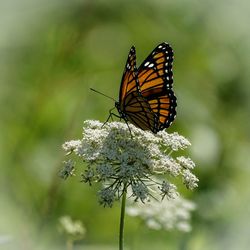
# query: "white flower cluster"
119,161
72,228
167,214
68,170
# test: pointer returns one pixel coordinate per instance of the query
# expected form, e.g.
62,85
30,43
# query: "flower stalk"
122,219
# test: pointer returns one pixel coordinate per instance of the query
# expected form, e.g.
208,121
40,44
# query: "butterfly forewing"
128,84
156,70
155,79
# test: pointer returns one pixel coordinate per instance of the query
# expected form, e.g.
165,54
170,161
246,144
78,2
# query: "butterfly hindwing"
164,106
139,112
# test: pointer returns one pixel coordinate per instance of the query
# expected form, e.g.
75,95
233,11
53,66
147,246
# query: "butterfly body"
146,97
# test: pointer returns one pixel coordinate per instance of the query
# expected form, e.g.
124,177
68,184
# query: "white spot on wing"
146,64
151,65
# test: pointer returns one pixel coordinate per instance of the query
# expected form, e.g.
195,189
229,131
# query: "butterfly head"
118,106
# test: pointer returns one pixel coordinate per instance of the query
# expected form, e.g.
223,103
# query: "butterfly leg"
129,129
110,116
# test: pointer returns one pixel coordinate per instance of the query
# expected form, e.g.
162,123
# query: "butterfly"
146,98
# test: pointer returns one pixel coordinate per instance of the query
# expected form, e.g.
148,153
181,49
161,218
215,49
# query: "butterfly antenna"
103,94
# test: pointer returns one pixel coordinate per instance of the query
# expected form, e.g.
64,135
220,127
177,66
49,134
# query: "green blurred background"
52,52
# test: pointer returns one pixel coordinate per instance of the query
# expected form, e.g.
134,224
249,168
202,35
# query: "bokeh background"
52,52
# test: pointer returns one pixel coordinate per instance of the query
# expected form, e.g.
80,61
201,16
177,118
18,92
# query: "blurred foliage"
51,53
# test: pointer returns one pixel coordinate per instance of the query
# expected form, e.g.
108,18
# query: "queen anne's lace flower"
70,146
167,214
186,162
68,170
106,196
74,230
168,189
119,161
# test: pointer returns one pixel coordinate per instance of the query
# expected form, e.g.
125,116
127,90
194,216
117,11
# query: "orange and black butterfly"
146,97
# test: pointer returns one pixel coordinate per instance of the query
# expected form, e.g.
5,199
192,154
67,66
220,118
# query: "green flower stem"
121,238
69,244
